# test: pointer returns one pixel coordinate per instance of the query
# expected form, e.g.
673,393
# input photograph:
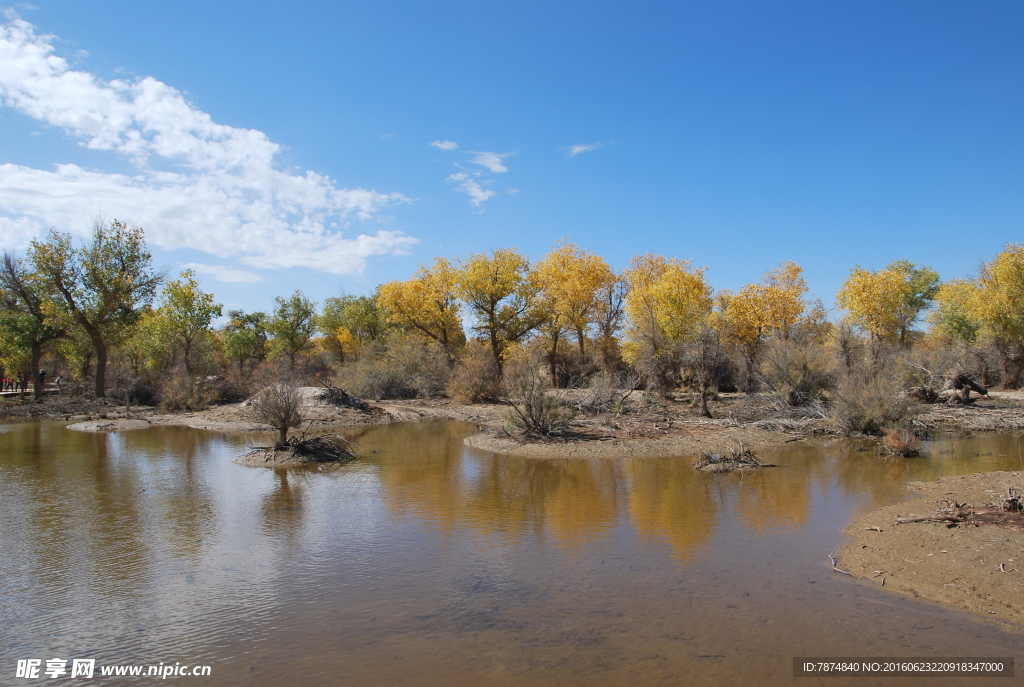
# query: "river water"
428,563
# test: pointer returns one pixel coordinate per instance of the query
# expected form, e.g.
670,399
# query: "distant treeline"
657,325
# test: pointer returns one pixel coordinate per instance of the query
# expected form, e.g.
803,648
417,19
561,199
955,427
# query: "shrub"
868,404
280,406
401,366
901,442
796,373
532,408
177,390
475,377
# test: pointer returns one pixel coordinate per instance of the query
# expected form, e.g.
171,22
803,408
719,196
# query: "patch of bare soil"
110,425
958,545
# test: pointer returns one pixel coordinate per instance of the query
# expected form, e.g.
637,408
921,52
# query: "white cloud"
471,187
226,274
492,161
225,195
445,145
583,148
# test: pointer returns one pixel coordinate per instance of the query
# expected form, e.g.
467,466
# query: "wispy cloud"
225,195
471,187
225,274
445,145
583,148
492,161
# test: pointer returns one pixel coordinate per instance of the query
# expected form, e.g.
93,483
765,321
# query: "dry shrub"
869,403
177,390
475,377
606,393
901,442
401,366
533,408
280,406
796,373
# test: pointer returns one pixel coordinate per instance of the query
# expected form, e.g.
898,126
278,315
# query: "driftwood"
958,389
736,459
1008,513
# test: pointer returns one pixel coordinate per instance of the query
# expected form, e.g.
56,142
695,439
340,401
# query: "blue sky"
259,141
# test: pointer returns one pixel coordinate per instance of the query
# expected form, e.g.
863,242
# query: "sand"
978,569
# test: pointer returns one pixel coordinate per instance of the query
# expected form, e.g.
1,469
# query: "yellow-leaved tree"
429,304
989,306
572,283
503,293
773,307
888,303
669,302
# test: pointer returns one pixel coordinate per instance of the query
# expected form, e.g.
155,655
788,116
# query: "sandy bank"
679,441
979,569
110,425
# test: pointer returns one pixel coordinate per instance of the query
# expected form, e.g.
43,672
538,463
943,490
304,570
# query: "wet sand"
978,569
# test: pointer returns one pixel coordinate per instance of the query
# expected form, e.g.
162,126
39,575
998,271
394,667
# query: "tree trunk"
99,389
553,360
496,348
282,438
704,402
37,382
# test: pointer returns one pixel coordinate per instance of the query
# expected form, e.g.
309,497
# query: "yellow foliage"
503,293
887,302
772,307
572,282
667,304
428,303
346,343
1000,307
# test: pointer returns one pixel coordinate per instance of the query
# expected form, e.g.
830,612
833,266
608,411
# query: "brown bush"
400,366
475,377
869,404
177,390
280,406
531,405
796,373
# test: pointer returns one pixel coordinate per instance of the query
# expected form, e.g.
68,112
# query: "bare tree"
280,406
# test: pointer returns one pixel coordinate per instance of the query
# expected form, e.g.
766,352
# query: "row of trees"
659,318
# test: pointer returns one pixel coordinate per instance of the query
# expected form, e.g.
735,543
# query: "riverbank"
978,568
645,426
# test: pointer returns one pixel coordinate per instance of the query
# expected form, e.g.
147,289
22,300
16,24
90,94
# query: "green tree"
362,316
245,337
185,316
292,325
102,286
28,325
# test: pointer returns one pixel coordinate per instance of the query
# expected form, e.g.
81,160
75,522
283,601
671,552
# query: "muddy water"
428,563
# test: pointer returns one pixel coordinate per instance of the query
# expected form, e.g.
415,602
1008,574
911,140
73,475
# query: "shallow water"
430,563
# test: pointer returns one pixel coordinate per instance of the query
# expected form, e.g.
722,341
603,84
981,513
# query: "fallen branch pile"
1008,513
736,459
323,448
